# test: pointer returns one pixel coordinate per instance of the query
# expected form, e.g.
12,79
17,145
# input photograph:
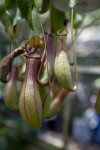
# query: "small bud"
10,91
57,103
55,107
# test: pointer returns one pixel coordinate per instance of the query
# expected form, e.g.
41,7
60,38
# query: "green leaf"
17,17
29,20
36,2
11,7
57,18
4,17
32,2
37,22
2,7
72,3
78,20
24,6
45,6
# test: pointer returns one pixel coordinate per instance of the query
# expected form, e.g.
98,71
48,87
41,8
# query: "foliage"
21,19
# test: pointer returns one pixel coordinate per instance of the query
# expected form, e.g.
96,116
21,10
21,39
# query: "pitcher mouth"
62,29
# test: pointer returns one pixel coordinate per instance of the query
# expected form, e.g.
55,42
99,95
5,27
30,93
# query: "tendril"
45,49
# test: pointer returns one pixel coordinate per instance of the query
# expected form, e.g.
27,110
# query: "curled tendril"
47,75
46,71
10,90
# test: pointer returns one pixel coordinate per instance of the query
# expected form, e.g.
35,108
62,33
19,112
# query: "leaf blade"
11,7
